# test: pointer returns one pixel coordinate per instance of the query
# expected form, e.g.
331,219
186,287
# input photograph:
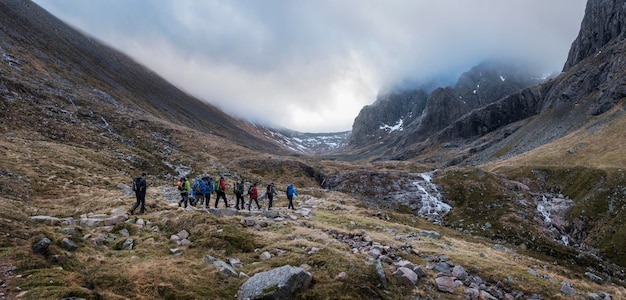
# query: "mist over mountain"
412,116
503,184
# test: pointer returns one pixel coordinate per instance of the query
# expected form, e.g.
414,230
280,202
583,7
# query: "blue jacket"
201,184
210,188
291,191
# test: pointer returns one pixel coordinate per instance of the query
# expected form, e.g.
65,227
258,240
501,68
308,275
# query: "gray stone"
486,295
445,284
405,276
265,256
374,253
46,219
471,293
124,232
567,288
442,267
430,234
502,248
419,270
270,214
41,247
128,244
115,220
381,272
595,278
459,273
90,222
175,251
184,243
68,244
224,268
279,283
235,262
183,234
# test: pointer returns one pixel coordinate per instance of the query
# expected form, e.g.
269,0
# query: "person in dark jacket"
185,188
140,193
271,191
238,189
254,195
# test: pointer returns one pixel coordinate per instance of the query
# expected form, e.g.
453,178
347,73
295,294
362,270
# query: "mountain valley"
504,186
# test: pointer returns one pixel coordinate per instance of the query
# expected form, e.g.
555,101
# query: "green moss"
270,289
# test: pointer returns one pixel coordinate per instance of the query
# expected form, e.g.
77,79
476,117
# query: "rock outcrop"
604,22
279,283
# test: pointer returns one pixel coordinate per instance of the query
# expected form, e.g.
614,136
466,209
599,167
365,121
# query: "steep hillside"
53,63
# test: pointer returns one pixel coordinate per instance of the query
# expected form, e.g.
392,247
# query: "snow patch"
502,78
397,127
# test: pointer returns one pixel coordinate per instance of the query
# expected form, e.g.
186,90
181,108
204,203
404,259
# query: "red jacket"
255,193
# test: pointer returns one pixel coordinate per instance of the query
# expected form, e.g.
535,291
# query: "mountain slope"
61,62
422,113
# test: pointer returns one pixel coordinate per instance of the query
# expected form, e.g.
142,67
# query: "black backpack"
240,188
251,190
136,182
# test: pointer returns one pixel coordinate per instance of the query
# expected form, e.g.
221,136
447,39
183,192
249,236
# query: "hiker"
271,191
220,191
238,189
139,186
254,195
184,187
198,191
208,182
291,191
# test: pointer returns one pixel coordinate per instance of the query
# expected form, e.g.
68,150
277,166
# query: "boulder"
115,220
42,246
567,288
459,273
46,219
183,234
279,283
128,244
595,278
68,244
405,276
265,255
224,268
445,284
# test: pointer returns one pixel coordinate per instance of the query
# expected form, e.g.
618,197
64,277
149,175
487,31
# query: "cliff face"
604,22
376,122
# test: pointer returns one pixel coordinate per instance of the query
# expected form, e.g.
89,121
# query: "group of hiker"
199,192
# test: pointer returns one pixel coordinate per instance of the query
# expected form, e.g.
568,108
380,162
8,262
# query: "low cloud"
312,65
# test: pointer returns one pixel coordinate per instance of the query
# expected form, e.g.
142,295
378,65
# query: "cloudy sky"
311,65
